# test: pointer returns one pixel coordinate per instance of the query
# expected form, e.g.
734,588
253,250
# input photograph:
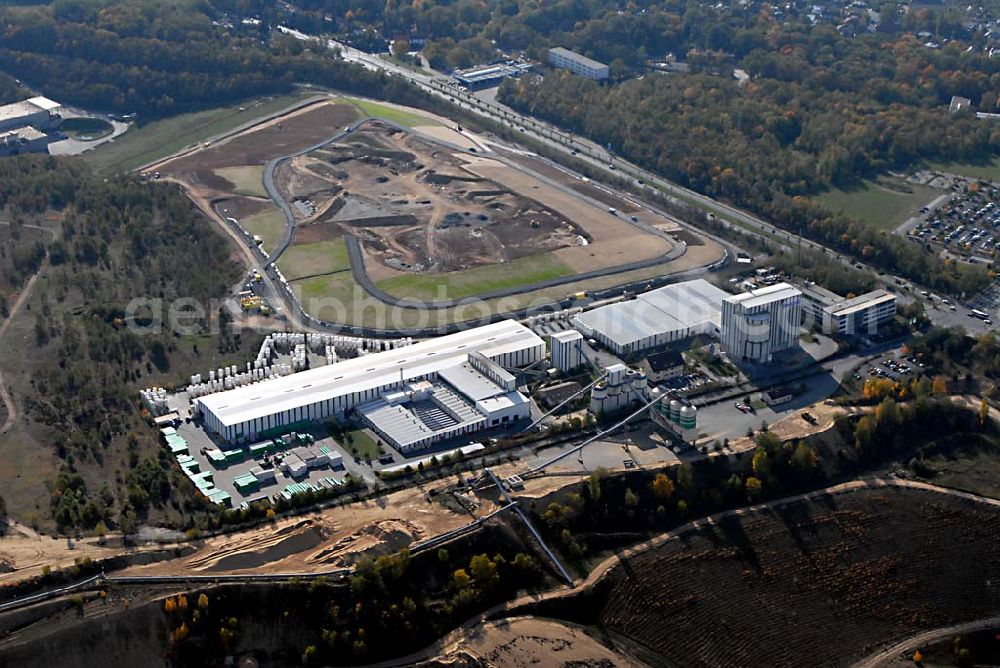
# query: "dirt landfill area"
321,541
527,641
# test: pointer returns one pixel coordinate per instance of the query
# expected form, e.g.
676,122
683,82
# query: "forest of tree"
159,59
821,111
119,239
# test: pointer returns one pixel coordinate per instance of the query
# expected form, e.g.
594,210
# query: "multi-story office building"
577,64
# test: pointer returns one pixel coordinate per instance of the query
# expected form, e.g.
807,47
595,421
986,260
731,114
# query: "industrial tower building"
759,323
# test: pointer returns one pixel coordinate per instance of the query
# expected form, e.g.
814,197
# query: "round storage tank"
689,417
675,410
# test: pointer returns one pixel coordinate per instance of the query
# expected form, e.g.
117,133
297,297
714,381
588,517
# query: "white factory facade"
655,318
762,322
23,125
577,64
244,413
854,316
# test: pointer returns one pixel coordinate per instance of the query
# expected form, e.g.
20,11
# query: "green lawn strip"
158,139
989,171
398,116
321,257
458,284
269,225
878,206
248,180
359,441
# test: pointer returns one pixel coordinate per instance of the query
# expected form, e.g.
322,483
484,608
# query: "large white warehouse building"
37,112
243,414
655,318
759,323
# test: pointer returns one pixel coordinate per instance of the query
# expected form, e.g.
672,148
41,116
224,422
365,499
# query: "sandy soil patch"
450,135
529,641
24,552
415,207
324,540
614,241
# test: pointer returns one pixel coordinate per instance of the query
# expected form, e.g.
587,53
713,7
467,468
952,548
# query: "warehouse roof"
26,108
364,373
692,304
502,402
25,134
470,382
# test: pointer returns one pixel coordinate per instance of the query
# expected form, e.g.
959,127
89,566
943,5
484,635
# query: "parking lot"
966,222
893,366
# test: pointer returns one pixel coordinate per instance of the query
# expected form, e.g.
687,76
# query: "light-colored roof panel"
679,306
371,371
861,302
765,295
470,382
44,103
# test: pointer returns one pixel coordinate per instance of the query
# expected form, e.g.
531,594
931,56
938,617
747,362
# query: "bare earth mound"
814,583
513,643
416,206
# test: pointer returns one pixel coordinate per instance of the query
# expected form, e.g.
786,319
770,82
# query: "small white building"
40,113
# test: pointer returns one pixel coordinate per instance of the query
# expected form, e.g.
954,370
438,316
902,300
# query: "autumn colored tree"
663,487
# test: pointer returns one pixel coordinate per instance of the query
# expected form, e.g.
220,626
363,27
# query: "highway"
599,158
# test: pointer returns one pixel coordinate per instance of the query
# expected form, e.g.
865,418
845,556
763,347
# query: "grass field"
359,442
269,225
338,288
322,257
876,205
459,284
249,180
989,171
398,116
158,139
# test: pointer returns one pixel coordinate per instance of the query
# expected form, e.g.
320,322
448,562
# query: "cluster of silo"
681,418
330,352
155,399
286,341
299,359
620,388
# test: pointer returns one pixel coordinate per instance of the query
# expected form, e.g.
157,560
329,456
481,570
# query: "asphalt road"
598,157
